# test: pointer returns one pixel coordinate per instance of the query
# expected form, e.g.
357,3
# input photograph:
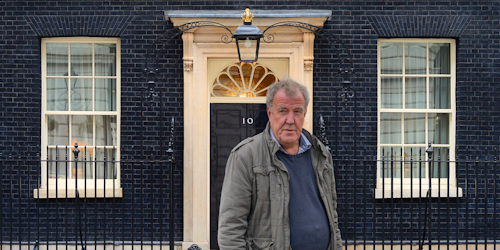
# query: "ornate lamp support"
151,64
346,67
247,40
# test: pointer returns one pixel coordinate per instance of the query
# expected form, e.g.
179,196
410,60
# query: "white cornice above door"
262,19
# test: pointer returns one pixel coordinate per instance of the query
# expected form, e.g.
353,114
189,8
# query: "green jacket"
254,202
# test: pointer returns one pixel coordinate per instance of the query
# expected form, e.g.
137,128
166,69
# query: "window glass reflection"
81,59
439,93
414,128
105,59
390,128
415,58
415,93
439,58
392,92
391,58
57,59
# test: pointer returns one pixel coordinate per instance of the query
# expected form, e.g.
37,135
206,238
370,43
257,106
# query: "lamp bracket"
151,64
346,67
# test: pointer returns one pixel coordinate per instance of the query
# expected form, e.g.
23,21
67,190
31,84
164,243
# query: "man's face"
287,118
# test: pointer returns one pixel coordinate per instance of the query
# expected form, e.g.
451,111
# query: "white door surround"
199,45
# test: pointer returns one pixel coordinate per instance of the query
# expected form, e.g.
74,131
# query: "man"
279,189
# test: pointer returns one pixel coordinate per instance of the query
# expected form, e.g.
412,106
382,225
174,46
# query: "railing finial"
76,151
429,152
170,150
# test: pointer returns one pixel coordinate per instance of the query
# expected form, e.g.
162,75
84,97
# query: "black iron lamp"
248,39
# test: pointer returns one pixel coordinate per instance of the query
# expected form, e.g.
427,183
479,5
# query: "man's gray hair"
291,87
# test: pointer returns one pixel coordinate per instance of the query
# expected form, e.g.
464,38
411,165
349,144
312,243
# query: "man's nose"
289,118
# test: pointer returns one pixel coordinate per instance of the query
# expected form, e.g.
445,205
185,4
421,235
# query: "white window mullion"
403,142
95,147
68,82
94,174
403,105
427,80
69,170
93,77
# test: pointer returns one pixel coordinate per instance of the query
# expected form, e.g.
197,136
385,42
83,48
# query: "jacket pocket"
260,244
265,182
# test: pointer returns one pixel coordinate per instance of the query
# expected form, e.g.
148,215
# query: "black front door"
230,123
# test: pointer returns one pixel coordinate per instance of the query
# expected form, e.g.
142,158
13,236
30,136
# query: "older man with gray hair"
279,188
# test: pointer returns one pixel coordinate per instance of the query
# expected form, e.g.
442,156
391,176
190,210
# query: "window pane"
106,163
105,59
415,93
391,162
57,59
56,162
105,130
439,93
414,165
390,128
82,130
439,128
261,89
81,59
440,165
415,58
439,58
414,128
392,92
58,130
105,94
225,85
57,94
81,94
391,58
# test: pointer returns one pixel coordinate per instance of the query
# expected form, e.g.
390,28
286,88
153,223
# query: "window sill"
43,193
442,192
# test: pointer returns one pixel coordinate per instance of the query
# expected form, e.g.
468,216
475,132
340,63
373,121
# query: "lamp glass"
247,49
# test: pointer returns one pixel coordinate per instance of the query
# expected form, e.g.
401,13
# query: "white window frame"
417,187
90,188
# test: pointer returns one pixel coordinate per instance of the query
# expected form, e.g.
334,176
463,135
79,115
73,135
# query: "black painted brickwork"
474,24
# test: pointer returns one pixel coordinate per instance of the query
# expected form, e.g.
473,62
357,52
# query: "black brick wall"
352,131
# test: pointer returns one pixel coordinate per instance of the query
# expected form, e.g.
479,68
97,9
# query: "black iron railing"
372,210
83,212
460,205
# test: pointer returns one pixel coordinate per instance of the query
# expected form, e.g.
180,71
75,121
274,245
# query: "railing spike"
429,152
76,151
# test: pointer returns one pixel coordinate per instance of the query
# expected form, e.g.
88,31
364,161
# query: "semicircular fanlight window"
245,80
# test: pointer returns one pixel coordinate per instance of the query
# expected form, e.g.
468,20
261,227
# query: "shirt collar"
304,143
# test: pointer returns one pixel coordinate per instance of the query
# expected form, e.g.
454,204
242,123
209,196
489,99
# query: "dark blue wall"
352,130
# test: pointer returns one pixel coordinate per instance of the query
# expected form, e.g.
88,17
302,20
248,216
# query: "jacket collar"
274,146
304,143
